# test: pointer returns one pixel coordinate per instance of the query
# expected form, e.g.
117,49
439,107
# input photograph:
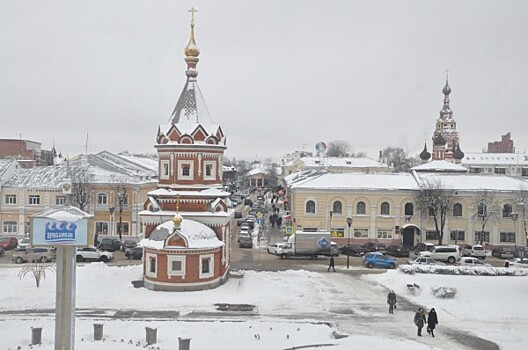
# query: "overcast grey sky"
276,75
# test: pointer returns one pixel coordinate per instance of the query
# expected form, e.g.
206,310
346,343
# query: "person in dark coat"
432,321
332,264
419,320
391,300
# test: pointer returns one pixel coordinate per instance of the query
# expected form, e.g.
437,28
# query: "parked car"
127,244
245,242
379,260
243,234
517,262
424,260
398,250
503,252
521,252
238,214
423,247
24,243
8,243
93,254
250,222
134,253
472,261
374,247
110,244
240,221
39,254
272,248
2,251
475,250
448,253
353,250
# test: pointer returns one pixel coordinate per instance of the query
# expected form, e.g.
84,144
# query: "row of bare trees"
436,200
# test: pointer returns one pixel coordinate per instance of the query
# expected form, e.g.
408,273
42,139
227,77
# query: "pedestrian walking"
332,264
391,300
419,320
432,321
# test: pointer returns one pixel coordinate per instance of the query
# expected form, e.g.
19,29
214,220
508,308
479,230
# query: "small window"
457,235
409,209
385,208
337,207
34,199
431,235
101,227
102,199
310,207
431,211
10,227
122,199
337,232
384,234
457,210
10,199
360,208
507,237
482,210
186,170
165,169
123,229
205,265
60,200
152,267
361,232
176,265
208,170
482,236
506,210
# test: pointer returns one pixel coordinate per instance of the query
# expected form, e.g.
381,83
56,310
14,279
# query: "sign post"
65,228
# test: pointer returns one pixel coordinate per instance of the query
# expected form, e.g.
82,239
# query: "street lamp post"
349,223
330,213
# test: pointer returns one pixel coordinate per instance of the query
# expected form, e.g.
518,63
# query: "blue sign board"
50,232
323,243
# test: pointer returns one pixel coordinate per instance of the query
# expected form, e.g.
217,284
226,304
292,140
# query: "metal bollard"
98,331
185,344
152,337
36,336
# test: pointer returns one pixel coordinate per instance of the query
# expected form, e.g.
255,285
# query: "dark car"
503,252
135,253
238,214
250,223
8,243
374,247
2,251
398,250
245,242
240,221
110,244
352,249
521,252
128,243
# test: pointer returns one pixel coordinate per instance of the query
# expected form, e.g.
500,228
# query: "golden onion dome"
177,220
192,50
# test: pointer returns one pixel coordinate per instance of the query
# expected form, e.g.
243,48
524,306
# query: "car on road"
472,261
127,244
353,250
93,254
135,253
24,243
379,260
110,244
8,243
475,250
448,253
245,242
238,214
503,252
272,248
39,254
423,260
374,247
517,262
398,250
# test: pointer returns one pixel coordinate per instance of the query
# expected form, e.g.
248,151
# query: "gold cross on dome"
192,11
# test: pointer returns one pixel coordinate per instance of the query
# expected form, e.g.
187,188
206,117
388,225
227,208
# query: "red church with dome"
186,220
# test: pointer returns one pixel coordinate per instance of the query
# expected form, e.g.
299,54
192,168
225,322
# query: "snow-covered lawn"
292,308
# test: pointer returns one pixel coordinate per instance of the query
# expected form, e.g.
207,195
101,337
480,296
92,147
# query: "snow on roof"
440,166
474,182
187,214
195,233
362,162
149,162
257,170
386,181
303,175
495,159
68,214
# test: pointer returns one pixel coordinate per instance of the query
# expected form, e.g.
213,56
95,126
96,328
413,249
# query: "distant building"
505,145
511,164
334,165
28,153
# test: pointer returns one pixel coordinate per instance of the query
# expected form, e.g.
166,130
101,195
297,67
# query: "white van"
448,253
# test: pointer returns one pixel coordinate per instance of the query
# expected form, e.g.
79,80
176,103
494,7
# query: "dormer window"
185,170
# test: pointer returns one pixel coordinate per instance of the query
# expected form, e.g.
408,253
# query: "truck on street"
309,244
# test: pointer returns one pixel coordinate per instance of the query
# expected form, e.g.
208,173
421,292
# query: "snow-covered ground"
292,308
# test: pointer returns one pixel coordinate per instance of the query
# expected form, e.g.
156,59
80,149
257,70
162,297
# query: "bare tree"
435,200
79,187
37,269
271,175
398,159
488,209
521,204
338,148
121,204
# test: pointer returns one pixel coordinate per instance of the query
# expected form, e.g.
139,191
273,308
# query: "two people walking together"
420,320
